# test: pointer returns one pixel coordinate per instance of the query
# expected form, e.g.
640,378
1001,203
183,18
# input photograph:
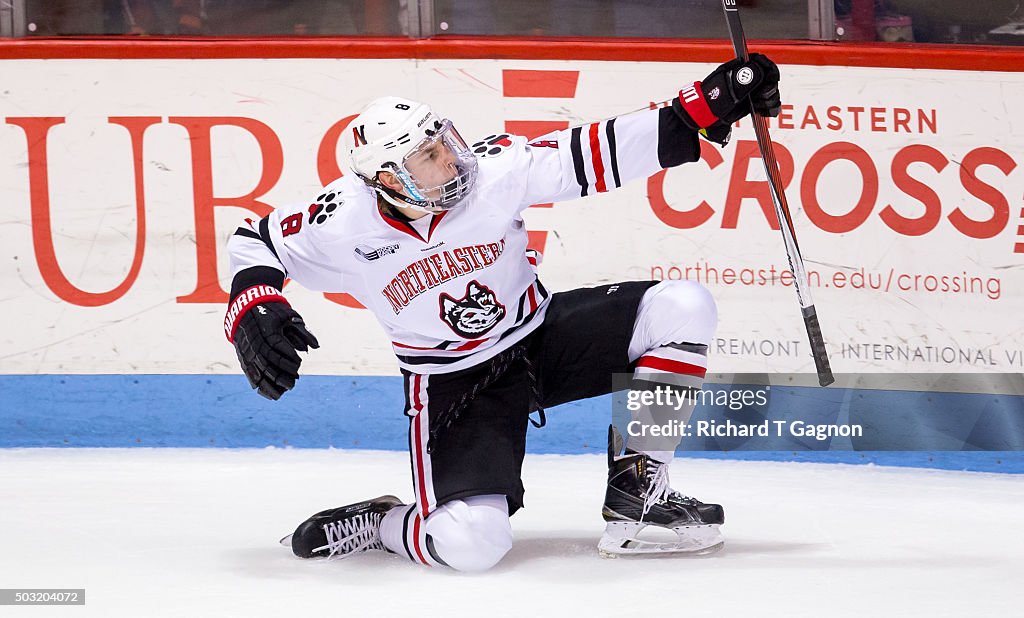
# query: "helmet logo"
359,135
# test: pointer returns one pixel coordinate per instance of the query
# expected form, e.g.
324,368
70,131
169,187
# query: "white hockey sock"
404,532
472,534
671,375
391,528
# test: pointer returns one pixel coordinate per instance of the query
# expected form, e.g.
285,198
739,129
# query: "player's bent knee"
473,534
680,311
691,299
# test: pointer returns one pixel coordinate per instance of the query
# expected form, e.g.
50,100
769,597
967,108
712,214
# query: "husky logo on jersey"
492,145
323,209
368,254
474,314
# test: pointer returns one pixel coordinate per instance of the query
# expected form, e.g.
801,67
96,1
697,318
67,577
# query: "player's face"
439,171
432,167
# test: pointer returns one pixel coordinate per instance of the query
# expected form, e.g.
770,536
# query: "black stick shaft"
796,261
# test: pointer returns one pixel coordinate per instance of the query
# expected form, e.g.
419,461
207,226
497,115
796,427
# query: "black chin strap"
399,197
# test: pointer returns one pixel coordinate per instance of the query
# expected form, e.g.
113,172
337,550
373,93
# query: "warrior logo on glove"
267,334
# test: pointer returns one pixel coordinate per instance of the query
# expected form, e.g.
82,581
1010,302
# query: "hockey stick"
771,165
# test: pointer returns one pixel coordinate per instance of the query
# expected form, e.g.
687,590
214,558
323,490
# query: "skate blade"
621,539
286,541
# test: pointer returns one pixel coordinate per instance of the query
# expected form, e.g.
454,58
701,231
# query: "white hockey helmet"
426,154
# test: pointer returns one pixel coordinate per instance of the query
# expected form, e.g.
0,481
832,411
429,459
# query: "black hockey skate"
342,531
639,496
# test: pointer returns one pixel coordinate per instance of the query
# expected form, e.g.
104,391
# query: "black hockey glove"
715,104
267,333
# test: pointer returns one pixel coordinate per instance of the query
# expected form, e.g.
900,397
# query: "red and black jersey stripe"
596,159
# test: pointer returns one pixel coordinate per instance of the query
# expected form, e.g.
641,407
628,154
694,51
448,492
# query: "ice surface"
176,532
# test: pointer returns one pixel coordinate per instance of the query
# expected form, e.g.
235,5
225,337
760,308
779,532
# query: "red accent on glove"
693,101
247,300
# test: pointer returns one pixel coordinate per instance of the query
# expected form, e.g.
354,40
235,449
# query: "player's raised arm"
602,156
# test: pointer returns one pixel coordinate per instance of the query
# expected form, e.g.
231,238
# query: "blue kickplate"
959,431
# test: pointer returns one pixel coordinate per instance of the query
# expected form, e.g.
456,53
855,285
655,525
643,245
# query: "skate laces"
352,535
657,485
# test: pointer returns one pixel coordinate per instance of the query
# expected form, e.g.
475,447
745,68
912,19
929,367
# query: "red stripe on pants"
420,450
416,539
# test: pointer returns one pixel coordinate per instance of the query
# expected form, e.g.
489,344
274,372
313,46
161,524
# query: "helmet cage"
424,169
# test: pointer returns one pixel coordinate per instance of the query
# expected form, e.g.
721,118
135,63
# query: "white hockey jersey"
454,289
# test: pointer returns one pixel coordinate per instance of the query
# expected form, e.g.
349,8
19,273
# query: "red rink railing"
895,55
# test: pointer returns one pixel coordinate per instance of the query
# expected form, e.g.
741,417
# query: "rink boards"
122,180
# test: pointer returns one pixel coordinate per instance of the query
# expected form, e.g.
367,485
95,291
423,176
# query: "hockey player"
428,235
